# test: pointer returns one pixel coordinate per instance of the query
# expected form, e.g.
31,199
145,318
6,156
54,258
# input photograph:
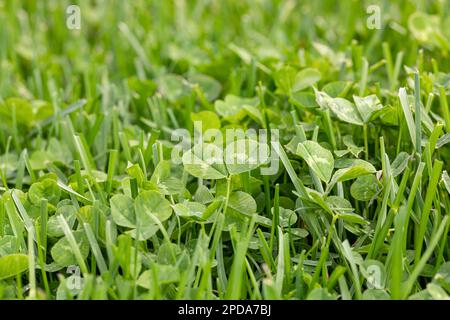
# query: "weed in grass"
224,150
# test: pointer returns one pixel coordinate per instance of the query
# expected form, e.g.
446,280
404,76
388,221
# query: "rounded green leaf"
338,204
210,86
346,111
319,159
343,109
284,79
375,274
232,108
422,26
13,264
437,292
306,78
400,163
54,228
375,294
46,189
320,294
358,168
287,217
364,188
168,178
207,119
39,160
244,155
62,252
173,87
367,106
344,209
23,110
205,160
442,276
146,231
241,203
298,233
336,88
166,274
351,146
149,203
122,210
305,100
189,209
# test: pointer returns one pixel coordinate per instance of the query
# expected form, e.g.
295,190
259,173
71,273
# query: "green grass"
96,202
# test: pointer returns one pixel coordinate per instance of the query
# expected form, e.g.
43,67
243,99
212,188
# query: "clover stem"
225,207
366,142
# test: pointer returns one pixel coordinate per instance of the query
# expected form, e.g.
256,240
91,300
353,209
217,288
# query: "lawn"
224,149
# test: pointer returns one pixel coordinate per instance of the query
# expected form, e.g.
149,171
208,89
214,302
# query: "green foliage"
106,177
13,264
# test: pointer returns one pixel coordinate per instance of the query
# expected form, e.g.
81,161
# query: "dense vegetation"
93,205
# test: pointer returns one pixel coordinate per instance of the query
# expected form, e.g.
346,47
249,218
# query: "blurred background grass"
148,38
